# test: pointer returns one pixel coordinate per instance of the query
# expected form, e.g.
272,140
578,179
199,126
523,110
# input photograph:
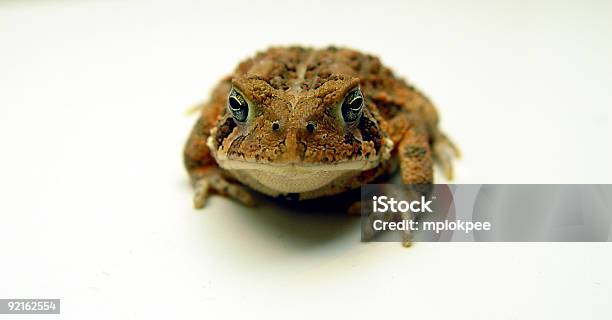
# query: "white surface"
96,208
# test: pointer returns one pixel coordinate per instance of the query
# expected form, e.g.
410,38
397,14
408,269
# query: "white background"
95,206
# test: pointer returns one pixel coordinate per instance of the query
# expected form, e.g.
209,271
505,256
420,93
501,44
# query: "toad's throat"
292,178
283,182
296,168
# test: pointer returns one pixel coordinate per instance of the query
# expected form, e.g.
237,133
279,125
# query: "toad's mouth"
297,168
292,177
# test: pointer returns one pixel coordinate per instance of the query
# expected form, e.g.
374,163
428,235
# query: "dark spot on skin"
310,127
390,110
225,130
349,138
424,189
369,132
415,152
290,67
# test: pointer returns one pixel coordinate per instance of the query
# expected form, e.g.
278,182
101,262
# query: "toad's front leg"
416,168
206,176
416,165
215,181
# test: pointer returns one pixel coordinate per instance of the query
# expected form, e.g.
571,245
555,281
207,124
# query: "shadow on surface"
305,223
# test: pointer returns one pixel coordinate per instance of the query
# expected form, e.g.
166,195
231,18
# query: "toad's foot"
407,234
367,231
444,151
216,183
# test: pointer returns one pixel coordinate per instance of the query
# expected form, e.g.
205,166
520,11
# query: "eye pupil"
352,106
234,103
356,103
238,106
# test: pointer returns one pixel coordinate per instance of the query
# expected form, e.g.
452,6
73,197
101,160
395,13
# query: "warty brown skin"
294,94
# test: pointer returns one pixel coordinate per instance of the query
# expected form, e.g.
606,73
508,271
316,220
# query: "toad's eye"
238,105
352,106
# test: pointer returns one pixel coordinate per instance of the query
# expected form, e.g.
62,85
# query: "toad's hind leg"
444,151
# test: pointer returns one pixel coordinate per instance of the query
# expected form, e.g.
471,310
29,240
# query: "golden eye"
238,106
352,106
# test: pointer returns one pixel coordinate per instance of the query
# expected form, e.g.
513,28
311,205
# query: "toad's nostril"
275,126
311,127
